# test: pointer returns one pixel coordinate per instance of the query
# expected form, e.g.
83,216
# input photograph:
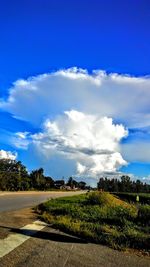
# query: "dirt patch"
15,219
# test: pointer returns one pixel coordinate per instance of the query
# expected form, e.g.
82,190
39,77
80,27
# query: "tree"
59,183
125,183
72,183
82,185
37,179
122,185
103,184
139,186
13,175
49,182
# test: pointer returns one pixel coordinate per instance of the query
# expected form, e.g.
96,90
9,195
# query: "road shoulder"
15,219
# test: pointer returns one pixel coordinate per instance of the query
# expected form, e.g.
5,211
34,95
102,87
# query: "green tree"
82,185
13,175
37,179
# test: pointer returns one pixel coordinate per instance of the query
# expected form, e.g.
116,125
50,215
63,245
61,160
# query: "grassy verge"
102,218
144,198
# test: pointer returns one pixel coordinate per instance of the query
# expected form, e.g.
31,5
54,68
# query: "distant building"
68,187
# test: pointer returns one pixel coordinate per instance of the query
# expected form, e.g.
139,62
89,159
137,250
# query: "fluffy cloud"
7,155
89,140
85,134
120,97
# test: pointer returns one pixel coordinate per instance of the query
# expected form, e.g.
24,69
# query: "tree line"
124,184
15,177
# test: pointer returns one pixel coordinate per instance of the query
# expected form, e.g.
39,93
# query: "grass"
102,218
144,198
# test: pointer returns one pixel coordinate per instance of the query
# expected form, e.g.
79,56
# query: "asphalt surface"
52,248
20,200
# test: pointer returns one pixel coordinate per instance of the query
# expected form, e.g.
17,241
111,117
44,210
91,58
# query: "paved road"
51,248
20,200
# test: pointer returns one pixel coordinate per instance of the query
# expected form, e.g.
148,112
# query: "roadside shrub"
105,198
96,198
101,198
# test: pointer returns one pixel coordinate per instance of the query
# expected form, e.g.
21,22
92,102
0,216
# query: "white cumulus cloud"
89,140
77,113
121,97
7,155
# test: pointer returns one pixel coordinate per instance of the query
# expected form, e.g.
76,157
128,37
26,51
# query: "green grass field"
102,218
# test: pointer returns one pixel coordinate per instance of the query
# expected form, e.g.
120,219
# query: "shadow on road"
58,237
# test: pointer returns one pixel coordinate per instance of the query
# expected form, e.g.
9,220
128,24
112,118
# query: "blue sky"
50,38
